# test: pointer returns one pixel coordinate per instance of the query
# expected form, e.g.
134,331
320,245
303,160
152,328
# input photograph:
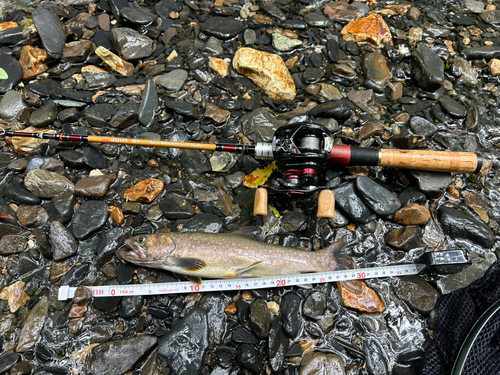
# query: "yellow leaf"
259,176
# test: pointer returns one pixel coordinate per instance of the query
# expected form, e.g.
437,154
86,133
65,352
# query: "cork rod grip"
437,161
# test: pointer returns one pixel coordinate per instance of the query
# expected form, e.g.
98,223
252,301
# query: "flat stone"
260,125
138,16
13,70
12,35
285,44
119,356
218,115
357,295
413,214
78,51
322,363
50,29
452,107
172,80
417,292
492,17
44,116
100,114
378,198
15,296
423,127
33,61
371,29
267,71
32,216
46,184
33,325
342,12
89,218
130,44
119,65
474,6
376,69
13,244
222,27
351,205
482,52
12,106
406,238
462,279
63,243
149,104
432,183
145,191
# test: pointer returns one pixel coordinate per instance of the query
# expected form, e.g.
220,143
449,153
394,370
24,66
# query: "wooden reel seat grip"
426,160
260,202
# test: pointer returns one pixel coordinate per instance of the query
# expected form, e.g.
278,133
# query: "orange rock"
267,71
290,34
218,115
15,296
262,18
32,61
231,309
356,295
114,62
116,214
8,25
219,65
145,191
413,214
371,29
77,311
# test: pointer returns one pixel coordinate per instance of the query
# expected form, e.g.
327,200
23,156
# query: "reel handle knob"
326,204
260,202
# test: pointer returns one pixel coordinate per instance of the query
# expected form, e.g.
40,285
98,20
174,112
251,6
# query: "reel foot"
326,204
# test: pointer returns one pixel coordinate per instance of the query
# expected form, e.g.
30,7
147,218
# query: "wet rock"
220,66
90,217
285,44
460,225
249,358
260,125
452,107
417,292
63,243
62,206
172,80
482,52
130,306
32,216
174,207
466,73
494,66
356,295
340,110
260,318
432,183
319,363
182,108
492,17
119,65
413,214
450,283
315,305
46,184
12,106
50,30
145,191
100,114
119,356
267,71
342,12
96,79
479,204
185,344
94,186
13,70
376,362
428,68
21,368
294,221
15,296
149,103
139,16
11,35
222,27
278,345
218,115
130,44
378,198
351,205
78,51
33,326
375,68
421,126
7,361
195,162
13,244
44,116
371,29
127,115
291,318
406,238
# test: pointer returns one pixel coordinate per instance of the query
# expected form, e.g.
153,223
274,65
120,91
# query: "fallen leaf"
259,176
3,74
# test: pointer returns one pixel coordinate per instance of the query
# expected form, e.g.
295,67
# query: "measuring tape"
440,261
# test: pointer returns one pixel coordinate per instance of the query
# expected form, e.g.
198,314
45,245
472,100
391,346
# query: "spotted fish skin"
224,255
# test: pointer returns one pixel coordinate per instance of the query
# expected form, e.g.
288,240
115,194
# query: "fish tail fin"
337,255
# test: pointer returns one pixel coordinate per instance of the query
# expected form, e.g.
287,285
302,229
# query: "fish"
224,255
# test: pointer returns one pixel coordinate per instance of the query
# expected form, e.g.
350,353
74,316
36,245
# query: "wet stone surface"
420,76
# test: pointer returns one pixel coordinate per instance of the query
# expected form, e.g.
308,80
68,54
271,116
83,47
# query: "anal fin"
188,264
194,279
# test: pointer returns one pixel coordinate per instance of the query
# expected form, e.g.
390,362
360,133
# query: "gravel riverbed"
380,74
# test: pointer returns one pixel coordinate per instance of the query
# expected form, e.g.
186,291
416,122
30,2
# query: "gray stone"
423,127
378,198
63,243
452,107
44,116
432,183
450,283
172,80
285,44
149,103
474,6
89,218
130,44
30,333
428,68
260,125
492,17
250,37
11,106
417,292
468,75
46,184
213,47
13,70
50,29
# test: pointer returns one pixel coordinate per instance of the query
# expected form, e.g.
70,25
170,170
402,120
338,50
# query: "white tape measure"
444,261
214,285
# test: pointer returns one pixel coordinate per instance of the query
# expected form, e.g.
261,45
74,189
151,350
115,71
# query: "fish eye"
141,239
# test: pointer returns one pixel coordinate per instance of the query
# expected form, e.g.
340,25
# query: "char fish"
225,255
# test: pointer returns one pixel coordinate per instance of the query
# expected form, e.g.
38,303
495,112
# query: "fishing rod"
302,153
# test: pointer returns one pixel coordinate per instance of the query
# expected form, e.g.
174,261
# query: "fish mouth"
134,253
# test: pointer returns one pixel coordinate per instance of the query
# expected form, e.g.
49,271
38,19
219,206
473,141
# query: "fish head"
148,249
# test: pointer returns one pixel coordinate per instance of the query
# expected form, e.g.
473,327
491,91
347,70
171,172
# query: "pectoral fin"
188,264
241,271
194,279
